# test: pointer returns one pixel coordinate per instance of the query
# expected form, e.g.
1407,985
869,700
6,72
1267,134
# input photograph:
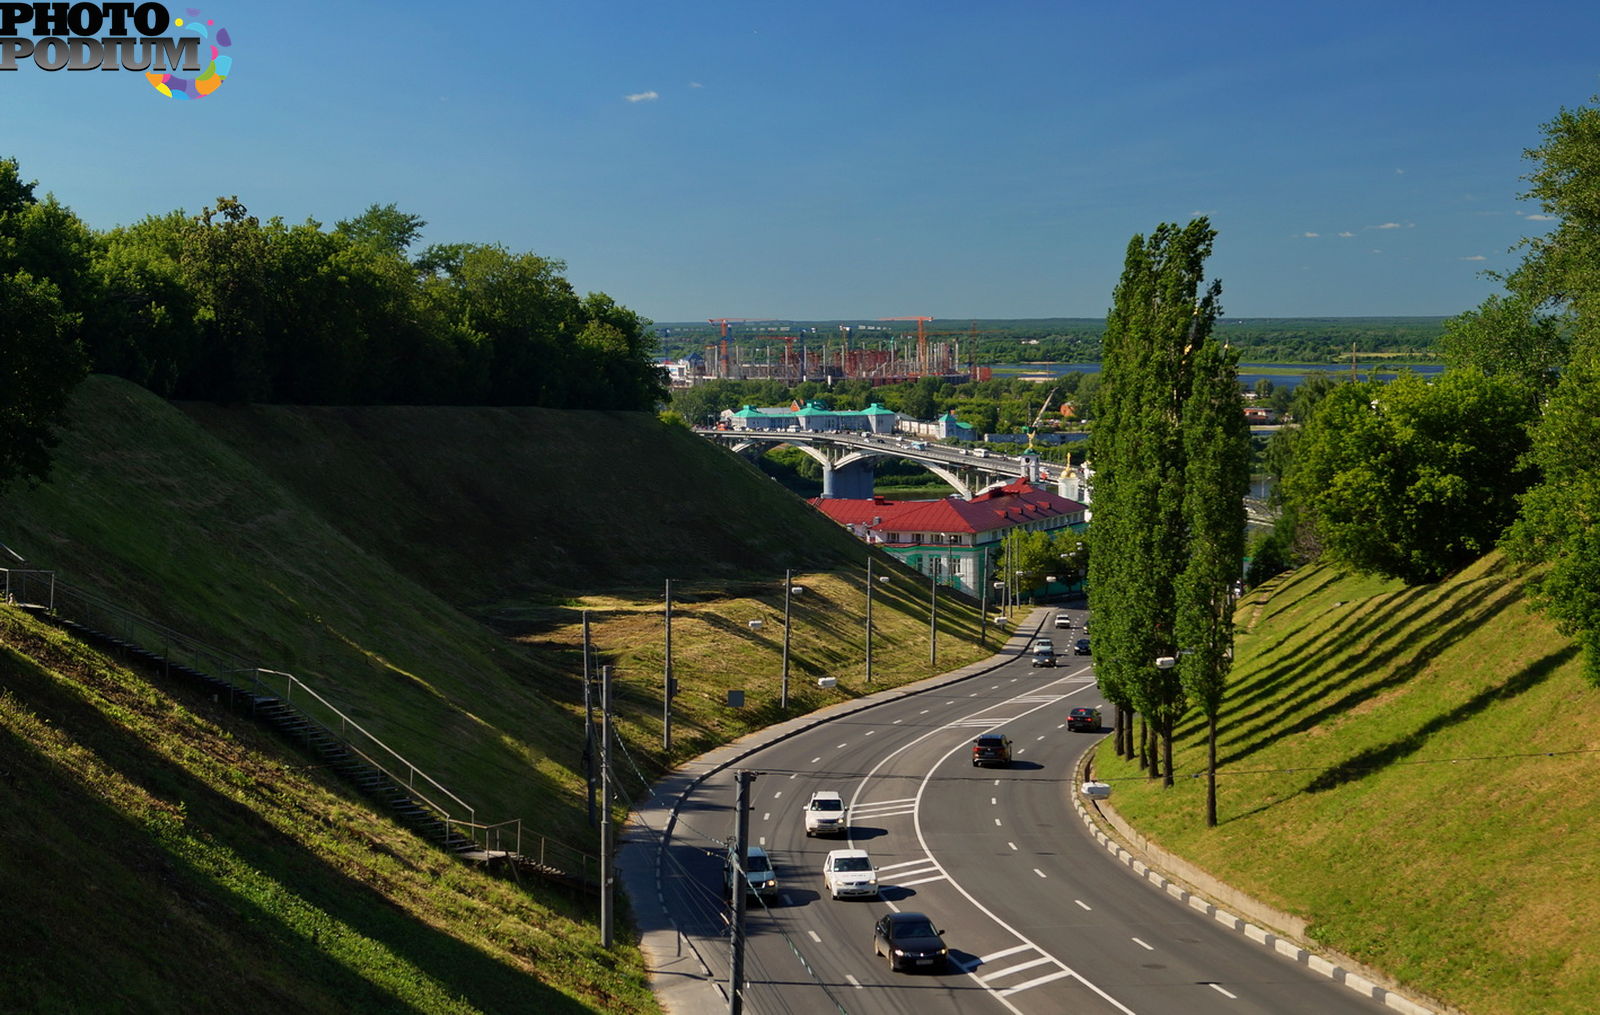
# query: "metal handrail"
346,721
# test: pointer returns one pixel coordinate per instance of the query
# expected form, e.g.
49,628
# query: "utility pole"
666,681
869,616
983,597
788,587
588,718
933,615
737,887
606,886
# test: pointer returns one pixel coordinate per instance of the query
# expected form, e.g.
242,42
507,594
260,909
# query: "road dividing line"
1040,873
853,981
815,936
1218,989
1141,944
1086,907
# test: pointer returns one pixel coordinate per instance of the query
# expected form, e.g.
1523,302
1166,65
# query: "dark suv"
991,749
1084,718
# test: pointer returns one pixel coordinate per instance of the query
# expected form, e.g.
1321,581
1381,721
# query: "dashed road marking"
1141,944
1224,993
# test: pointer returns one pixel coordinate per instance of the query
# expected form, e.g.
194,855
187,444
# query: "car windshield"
990,742
827,805
757,864
914,928
852,863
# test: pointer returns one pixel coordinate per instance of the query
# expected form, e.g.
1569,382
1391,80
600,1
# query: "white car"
1044,645
825,813
850,872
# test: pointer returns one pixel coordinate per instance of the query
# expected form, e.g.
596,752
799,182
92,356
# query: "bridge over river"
849,459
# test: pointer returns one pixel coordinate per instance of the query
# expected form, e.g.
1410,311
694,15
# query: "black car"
1080,647
1084,718
910,940
991,749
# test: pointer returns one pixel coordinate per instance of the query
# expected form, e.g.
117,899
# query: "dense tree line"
222,306
1415,480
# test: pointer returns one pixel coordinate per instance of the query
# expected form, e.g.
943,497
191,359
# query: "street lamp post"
788,587
933,615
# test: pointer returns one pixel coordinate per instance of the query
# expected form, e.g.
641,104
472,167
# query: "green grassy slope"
162,856
1414,770
385,555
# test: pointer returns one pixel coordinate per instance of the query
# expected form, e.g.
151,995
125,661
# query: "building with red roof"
955,540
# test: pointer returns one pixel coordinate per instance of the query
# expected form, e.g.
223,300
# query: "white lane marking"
1012,845
997,822
1141,944
1039,738
997,782
993,801
898,722
1218,989
815,760
870,732
793,774
950,702
762,841
921,881
1014,949
908,863
766,815
1046,978
924,712
815,936
853,981
974,694
1019,967
1040,873
1084,905
779,793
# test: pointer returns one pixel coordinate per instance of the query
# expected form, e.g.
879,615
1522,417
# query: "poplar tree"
1216,446
1159,321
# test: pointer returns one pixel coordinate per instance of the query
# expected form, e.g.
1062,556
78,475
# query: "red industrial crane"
922,339
724,322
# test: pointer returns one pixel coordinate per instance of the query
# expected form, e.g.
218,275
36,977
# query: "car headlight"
899,953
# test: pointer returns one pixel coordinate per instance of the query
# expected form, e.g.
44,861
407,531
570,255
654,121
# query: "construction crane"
1033,428
722,358
922,339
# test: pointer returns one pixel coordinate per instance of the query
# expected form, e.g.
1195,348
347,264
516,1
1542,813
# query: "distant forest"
1077,339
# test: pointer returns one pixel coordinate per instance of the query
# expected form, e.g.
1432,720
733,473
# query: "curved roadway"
1038,918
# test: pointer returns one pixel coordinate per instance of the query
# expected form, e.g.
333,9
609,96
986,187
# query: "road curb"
1366,982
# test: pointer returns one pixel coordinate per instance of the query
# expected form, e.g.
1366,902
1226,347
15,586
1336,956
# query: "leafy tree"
1216,449
383,227
1409,479
1159,321
40,362
44,280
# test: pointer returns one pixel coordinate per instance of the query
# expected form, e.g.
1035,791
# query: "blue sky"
869,159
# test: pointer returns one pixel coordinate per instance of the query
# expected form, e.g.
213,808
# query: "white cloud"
1475,257
696,84
1399,172
1346,235
1310,236
1387,225
643,97
1541,218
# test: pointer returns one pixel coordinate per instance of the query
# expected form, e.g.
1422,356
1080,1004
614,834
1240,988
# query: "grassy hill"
161,855
1416,771
429,571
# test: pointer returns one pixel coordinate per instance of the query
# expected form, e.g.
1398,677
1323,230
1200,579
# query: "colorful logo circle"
217,69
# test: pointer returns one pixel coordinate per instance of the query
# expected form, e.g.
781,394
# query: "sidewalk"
679,977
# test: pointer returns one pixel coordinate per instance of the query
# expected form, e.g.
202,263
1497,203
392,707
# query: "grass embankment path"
1416,771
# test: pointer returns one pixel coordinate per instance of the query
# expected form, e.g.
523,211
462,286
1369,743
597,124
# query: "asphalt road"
1038,918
